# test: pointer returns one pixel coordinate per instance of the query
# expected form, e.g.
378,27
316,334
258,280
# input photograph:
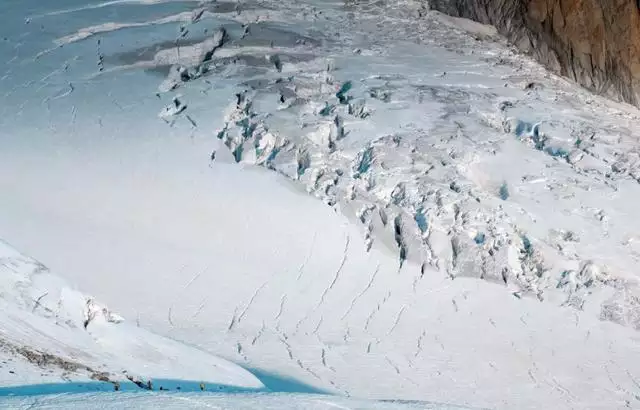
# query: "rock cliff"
594,42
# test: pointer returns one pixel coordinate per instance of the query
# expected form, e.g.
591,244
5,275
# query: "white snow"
208,401
86,341
449,251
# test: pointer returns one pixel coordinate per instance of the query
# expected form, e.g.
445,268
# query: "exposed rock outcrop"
594,42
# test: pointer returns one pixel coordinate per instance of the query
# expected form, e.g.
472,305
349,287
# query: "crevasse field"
307,205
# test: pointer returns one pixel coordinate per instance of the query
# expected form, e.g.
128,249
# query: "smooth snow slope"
433,169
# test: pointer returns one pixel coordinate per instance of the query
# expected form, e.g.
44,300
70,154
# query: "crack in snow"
304,263
335,279
396,321
359,295
253,297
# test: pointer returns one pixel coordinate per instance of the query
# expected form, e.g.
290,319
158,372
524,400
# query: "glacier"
368,198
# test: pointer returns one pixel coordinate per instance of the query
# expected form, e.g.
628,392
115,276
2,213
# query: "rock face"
594,42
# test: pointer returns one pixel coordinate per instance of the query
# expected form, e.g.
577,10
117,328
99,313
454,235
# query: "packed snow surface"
365,199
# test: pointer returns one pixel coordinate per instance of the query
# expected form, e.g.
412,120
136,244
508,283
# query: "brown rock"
593,42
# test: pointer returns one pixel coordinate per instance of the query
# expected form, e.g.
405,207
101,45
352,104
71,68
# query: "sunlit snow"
359,200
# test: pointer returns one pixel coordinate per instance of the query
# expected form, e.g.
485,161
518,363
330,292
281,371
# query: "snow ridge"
54,333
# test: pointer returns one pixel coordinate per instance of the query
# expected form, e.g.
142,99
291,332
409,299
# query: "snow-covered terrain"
280,401
469,236
50,332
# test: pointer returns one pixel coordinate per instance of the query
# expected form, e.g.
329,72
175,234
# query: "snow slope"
467,255
52,333
216,401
